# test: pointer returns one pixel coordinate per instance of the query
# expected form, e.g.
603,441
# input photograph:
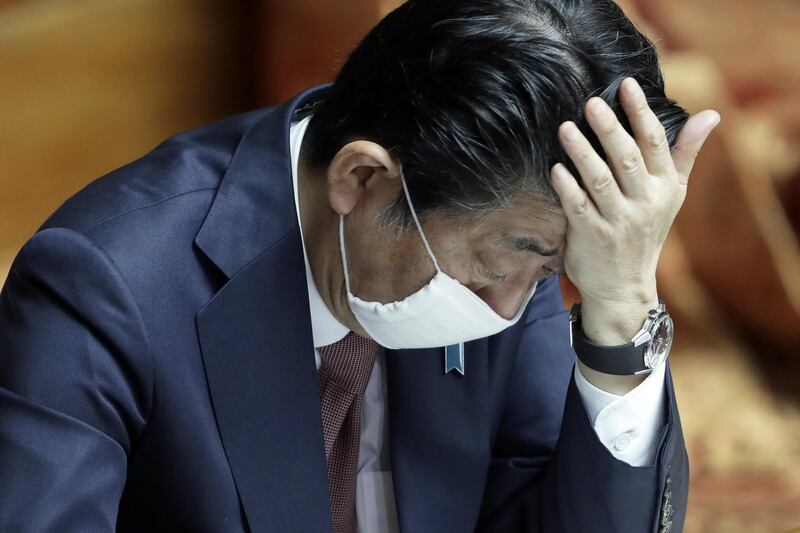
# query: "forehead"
502,229
526,218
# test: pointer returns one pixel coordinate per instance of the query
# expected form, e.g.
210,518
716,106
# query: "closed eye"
491,276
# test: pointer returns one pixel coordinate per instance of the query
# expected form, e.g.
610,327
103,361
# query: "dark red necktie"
343,377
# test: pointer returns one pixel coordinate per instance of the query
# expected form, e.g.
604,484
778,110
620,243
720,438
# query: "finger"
647,128
597,177
621,149
690,139
577,205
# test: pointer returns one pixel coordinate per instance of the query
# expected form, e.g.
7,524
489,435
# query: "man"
401,225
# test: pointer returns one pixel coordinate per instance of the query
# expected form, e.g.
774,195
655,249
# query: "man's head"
468,97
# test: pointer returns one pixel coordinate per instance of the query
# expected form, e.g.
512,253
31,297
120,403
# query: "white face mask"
441,313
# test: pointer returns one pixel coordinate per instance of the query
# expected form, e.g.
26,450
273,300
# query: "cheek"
507,297
393,269
535,267
461,265
453,255
514,265
509,264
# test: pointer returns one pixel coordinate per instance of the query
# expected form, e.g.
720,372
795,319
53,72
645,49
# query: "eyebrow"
526,244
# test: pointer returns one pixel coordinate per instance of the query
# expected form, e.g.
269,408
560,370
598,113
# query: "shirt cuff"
628,425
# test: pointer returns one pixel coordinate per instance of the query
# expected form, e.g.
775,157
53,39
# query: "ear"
357,167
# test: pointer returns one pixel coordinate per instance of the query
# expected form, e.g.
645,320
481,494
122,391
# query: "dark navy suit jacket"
156,372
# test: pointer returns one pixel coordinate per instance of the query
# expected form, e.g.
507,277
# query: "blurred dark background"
88,85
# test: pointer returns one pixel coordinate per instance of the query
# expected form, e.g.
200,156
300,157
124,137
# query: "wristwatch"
648,348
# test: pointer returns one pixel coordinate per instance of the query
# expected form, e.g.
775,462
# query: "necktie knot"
349,362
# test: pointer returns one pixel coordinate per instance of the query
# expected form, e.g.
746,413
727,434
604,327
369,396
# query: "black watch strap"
621,360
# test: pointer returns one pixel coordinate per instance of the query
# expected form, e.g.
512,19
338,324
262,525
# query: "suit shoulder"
194,160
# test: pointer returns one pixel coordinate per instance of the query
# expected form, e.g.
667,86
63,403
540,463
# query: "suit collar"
251,211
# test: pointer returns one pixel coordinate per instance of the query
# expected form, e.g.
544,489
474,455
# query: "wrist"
626,354
615,323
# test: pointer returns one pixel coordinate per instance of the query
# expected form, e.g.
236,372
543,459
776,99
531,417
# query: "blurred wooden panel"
88,85
305,42
755,42
756,46
739,250
6,256
738,238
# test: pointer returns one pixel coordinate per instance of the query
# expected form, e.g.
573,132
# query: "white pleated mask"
441,313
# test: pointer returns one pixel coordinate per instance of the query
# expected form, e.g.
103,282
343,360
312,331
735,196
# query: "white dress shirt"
627,425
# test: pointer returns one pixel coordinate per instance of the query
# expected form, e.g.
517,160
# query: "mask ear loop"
344,254
416,221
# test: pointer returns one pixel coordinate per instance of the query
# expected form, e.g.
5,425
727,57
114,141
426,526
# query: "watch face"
662,341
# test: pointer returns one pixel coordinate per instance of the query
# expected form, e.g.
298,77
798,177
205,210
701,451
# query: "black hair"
468,95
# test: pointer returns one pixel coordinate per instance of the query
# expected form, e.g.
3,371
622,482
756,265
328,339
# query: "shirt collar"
324,326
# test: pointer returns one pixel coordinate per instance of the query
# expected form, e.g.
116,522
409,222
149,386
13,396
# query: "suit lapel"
255,334
258,352
438,437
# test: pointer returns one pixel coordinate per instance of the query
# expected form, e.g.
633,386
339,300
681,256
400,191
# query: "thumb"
690,139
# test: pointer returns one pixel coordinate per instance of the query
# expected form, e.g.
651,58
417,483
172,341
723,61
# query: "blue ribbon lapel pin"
454,358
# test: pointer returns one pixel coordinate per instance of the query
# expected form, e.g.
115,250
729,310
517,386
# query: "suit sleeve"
75,386
549,471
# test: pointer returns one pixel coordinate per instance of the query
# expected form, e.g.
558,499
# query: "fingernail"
629,85
597,106
570,131
559,172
